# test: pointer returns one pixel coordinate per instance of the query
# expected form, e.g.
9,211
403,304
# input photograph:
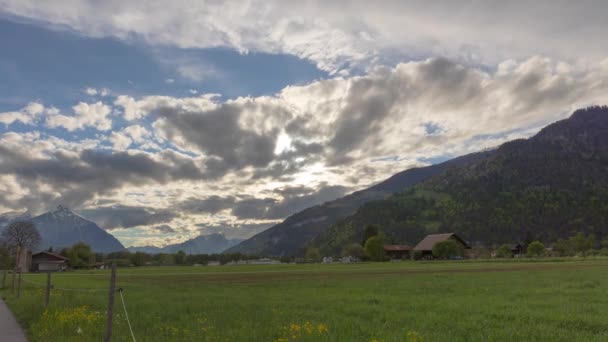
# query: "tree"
374,248
353,250
480,252
180,258
313,253
80,255
447,249
6,261
20,235
371,230
504,251
166,259
605,242
563,247
581,243
139,258
536,249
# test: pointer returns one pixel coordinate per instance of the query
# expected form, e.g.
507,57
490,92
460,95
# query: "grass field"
408,301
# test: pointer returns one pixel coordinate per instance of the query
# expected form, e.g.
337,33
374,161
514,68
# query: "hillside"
62,228
544,187
291,236
204,244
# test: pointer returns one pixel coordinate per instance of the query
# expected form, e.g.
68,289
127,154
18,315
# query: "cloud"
93,92
49,175
169,81
164,228
218,134
338,36
85,115
120,141
27,115
233,231
210,205
90,91
290,201
128,217
257,160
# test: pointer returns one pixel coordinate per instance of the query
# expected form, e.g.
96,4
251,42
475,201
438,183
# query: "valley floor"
558,300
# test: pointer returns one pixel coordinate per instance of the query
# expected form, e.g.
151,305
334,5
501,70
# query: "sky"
162,121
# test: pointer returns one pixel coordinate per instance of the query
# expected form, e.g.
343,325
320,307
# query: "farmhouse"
47,261
425,247
397,251
517,250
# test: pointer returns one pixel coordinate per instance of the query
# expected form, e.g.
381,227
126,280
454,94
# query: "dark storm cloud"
127,216
294,199
218,134
369,102
165,229
290,201
209,205
233,231
78,178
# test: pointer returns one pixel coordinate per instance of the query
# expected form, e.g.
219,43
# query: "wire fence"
49,287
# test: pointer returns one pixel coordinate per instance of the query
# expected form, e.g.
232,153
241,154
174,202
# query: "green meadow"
557,300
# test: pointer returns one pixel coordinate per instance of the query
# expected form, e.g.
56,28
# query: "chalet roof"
53,255
397,248
430,240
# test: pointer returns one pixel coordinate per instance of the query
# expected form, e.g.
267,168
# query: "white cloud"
136,109
27,115
169,81
103,92
90,91
8,118
85,115
120,141
334,131
337,35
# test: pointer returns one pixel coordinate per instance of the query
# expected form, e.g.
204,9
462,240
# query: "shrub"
536,249
353,250
374,248
447,249
504,251
313,254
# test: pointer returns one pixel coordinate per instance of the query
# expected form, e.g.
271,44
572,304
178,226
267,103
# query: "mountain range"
204,244
544,187
62,228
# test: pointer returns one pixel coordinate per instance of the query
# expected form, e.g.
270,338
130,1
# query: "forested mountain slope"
544,187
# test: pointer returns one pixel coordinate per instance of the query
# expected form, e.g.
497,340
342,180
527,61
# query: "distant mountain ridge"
291,236
204,244
62,228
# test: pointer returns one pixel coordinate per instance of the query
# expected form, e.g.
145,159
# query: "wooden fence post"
19,286
13,281
111,303
47,297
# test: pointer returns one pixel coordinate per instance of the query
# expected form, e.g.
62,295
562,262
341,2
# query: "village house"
397,251
48,262
517,250
425,247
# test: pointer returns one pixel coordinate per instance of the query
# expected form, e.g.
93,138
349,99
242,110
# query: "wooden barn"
397,251
48,262
425,247
517,250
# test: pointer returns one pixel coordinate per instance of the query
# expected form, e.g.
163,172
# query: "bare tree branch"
20,234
